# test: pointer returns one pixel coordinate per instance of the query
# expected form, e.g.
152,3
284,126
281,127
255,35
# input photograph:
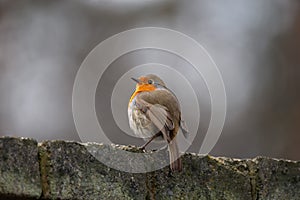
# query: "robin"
154,114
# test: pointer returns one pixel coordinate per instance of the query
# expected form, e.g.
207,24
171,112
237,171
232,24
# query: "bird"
154,114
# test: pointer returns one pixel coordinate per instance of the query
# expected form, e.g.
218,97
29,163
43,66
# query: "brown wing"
164,98
162,107
158,115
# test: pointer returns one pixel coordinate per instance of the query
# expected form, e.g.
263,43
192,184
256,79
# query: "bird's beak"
136,80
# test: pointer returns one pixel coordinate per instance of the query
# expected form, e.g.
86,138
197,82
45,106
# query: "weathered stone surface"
72,172
278,179
69,171
203,178
19,169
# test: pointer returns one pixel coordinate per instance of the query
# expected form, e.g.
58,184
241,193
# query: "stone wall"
66,170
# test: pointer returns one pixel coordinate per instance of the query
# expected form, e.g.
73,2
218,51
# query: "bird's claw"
142,148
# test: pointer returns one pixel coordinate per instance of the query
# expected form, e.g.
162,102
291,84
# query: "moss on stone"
19,168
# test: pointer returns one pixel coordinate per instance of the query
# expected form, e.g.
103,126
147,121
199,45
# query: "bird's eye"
150,81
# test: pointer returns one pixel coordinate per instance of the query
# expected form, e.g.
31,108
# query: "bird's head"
148,82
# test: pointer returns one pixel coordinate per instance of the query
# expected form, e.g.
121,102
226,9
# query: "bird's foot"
142,148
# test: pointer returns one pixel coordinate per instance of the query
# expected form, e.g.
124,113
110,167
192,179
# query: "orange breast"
142,88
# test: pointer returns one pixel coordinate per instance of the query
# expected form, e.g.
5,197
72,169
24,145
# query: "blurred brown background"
256,45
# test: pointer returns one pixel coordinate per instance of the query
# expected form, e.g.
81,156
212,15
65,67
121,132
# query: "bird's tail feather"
175,160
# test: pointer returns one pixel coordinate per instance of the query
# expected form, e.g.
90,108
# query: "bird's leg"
150,140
